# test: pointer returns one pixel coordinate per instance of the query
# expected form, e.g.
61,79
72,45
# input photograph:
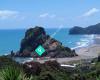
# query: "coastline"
84,53
91,50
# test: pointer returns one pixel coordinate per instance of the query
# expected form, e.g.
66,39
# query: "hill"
37,36
93,29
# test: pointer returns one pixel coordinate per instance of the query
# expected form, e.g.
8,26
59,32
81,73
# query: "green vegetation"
50,70
10,73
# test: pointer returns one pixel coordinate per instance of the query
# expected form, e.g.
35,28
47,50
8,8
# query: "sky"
20,14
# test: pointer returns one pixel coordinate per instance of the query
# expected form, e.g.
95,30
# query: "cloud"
5,14
43,15
90,12
52,16
47,15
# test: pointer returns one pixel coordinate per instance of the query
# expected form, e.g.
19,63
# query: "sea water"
11,39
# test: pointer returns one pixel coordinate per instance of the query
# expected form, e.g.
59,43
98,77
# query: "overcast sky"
48,13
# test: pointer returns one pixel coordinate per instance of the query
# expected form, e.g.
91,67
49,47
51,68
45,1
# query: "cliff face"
37,36
93,29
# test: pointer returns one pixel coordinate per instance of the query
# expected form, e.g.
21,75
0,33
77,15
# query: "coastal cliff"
93,29
37,36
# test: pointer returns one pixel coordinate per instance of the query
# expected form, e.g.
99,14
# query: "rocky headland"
37,36
93,29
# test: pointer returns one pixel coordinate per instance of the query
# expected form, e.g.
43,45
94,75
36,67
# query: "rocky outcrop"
37,36
93,29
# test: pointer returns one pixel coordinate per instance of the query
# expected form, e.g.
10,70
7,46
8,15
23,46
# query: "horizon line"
28,28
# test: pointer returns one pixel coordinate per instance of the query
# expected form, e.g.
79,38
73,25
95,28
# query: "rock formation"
37,36
93,29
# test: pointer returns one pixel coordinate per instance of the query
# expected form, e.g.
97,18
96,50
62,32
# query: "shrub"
98,78
32,68
10,73
52,65
46,76
14,73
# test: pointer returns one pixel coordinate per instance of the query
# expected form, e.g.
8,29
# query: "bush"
52,65
98,78
32,68
10,73
14,73
46,76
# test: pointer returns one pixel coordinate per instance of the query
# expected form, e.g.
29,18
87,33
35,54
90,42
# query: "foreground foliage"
51,70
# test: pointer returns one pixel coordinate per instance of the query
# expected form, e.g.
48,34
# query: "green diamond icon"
39,50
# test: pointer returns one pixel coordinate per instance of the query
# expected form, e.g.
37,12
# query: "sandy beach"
92,50
85,53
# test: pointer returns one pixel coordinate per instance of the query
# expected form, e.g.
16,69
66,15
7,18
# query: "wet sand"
91,51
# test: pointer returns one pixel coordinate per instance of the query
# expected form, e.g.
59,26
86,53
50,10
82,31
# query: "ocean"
10,39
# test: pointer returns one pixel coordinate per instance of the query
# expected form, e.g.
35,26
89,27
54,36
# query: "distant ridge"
92,29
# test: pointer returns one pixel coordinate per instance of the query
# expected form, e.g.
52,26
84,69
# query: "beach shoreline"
92,50
84,53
